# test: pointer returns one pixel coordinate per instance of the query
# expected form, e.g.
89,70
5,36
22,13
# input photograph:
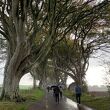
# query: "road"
49,103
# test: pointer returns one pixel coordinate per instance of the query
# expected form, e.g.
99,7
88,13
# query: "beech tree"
24,21
3,46
72,54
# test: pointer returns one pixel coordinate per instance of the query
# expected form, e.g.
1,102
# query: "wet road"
65,104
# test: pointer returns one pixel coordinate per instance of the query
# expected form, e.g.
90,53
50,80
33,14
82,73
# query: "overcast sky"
95,74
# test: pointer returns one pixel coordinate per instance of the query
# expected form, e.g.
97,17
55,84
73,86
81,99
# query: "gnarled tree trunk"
11,87
34,82
14,71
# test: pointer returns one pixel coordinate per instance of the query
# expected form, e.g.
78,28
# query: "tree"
107,77
3,47
72,56
70,60
21,22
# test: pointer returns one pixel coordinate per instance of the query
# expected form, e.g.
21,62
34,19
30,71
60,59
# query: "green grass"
102,103
25,87
30,95
12,106
98,103
36,94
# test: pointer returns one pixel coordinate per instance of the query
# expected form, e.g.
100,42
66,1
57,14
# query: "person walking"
48,88
60,87
78,93
56,92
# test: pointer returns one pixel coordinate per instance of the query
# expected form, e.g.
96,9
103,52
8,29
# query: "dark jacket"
56,90
78,89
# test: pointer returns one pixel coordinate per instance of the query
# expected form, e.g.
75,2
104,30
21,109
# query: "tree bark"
13,72
40,83
34,82
11,87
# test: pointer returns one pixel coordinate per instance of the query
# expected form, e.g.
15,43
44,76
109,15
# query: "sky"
96,72
94,76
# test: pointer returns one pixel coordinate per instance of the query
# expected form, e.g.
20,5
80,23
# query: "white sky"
26,80
95,74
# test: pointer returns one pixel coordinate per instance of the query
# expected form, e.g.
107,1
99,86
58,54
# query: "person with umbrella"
56,93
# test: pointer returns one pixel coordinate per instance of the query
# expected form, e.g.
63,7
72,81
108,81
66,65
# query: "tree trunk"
13,73
40,83
34,76
34,82
11,87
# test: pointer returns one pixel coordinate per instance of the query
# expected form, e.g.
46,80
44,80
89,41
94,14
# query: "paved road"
65,104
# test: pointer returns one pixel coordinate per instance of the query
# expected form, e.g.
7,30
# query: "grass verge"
98,103
30,96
